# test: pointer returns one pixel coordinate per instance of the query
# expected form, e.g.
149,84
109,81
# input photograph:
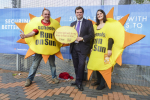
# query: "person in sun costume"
101,58
101,38
39,35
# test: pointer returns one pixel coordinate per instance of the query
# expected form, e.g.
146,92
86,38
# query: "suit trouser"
36,62
79,63
100,79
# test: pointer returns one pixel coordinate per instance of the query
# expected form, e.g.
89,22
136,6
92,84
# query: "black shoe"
80,87
74,83
95,83
100,87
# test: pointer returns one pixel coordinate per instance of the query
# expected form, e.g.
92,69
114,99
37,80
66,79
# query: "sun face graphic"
112,29
44,43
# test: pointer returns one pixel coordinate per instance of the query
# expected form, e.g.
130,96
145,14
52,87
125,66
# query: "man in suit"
81,47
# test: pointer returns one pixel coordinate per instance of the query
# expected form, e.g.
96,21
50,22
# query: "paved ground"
127,74
12,88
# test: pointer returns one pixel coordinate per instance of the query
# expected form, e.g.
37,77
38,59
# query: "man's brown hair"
79,7
44,10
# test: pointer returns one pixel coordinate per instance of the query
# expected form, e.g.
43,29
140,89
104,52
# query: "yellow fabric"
44,42
112,29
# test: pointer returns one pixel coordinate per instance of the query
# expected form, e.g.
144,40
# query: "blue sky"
5,3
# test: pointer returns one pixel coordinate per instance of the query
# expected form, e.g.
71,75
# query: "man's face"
79,14
46,15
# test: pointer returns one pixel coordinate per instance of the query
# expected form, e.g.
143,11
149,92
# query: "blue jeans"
36,62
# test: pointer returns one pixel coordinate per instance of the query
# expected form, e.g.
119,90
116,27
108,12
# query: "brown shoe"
55,80
28,83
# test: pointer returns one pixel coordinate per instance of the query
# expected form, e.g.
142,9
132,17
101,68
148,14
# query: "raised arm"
22,35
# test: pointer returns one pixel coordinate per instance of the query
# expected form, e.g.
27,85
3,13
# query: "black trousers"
79,63
100,79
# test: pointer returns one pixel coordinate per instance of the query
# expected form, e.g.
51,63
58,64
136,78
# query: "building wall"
58,3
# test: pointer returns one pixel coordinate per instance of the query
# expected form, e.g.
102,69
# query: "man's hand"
22,35
91,51
109,52
79,39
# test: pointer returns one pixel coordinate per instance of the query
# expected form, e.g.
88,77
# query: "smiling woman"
102,59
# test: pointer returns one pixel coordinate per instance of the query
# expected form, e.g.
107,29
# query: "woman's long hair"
104,18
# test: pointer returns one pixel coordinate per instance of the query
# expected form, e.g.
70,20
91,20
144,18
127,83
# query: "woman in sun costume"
101,42
111,29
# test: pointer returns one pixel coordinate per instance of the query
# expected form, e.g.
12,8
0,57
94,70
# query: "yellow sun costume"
44,42
112,29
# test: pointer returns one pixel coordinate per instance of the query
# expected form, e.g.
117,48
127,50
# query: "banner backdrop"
138,23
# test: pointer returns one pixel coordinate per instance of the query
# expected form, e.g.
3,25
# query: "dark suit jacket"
87,32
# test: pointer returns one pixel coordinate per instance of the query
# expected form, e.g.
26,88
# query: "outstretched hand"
22,35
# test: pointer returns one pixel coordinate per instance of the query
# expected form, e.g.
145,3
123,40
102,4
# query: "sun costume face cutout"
112,29
44,42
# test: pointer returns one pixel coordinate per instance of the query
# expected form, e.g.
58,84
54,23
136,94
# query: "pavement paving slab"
12,88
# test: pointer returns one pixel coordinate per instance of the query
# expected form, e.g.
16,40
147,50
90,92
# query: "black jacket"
87,32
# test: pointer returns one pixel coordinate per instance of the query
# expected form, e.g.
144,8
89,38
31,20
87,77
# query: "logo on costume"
100,34
46,28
